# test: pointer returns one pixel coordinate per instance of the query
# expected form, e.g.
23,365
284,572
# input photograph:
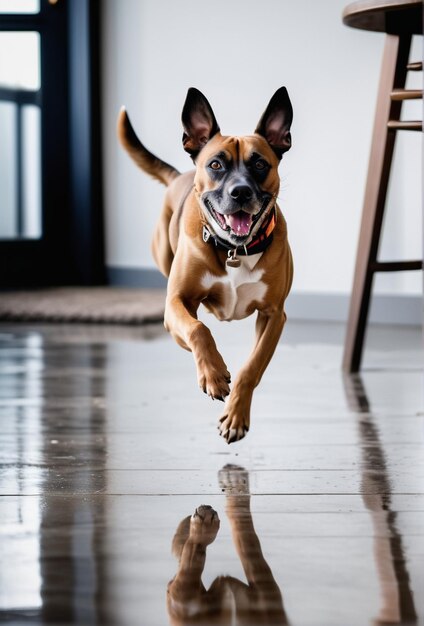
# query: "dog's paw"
232,427
204,525
234,480
214,380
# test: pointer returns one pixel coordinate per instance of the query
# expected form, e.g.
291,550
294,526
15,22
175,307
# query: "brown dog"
222,241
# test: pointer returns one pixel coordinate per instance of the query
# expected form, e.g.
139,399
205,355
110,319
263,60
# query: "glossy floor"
108,447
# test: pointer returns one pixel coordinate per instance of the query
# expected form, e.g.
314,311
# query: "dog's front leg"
187,598
235,421
181,321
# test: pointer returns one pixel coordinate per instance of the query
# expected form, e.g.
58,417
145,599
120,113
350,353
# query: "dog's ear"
275,123
198,121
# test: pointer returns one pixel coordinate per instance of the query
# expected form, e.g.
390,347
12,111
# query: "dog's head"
236,178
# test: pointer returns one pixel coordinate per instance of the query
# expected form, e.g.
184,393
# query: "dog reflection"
228,600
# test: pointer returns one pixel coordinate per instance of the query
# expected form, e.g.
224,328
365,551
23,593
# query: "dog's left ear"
198,121
275,123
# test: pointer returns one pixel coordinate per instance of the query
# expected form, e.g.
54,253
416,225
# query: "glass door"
20,130
34,146
51,227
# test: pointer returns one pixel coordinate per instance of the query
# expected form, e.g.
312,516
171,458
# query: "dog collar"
259,243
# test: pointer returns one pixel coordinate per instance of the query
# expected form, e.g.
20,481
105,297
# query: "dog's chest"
232,295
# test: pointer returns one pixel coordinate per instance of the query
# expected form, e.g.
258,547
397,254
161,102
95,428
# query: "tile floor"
107,448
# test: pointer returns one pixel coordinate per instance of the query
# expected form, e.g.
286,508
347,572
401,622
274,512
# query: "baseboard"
385,309
135,277
402,310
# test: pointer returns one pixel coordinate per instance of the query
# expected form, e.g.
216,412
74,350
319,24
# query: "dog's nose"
240,193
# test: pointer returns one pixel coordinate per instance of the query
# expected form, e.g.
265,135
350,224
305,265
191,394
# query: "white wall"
238,52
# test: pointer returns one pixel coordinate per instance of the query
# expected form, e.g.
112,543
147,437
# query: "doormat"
93,305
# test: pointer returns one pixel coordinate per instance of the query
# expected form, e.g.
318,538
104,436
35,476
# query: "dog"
222,242
228,600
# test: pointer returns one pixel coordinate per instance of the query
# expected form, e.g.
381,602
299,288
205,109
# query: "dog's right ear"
198,121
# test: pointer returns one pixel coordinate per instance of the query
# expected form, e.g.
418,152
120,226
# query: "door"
50,221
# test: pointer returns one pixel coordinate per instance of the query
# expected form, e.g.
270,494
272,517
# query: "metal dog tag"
205,234
232,260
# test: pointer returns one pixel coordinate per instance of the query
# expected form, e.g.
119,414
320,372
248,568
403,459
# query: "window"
19,6
20,125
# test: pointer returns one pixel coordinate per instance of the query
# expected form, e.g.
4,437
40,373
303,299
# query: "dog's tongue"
239,223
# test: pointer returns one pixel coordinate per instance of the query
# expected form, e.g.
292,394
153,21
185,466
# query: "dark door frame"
71,250
87,224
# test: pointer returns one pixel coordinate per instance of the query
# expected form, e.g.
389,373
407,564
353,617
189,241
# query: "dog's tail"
149,163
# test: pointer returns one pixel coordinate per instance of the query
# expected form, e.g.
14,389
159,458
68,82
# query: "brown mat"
99,305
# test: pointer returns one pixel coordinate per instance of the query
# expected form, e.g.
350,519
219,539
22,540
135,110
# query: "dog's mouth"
238,224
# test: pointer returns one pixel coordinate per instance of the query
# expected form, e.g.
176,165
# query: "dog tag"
205,234
232,260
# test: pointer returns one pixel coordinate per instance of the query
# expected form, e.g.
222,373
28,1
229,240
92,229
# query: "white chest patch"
241,286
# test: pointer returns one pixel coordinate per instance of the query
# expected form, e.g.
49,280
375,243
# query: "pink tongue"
239,223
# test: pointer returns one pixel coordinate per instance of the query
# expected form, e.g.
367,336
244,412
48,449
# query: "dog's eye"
260,164
215,165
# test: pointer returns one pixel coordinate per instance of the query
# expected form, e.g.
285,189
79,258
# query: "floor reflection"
397,600
228,599
55,434
96,472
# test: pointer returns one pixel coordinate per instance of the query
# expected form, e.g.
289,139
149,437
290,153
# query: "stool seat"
400,20
386,16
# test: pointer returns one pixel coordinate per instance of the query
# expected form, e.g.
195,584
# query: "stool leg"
393,76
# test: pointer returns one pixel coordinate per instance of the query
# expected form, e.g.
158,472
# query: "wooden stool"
400,19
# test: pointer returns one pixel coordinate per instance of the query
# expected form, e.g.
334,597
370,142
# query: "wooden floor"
107,445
